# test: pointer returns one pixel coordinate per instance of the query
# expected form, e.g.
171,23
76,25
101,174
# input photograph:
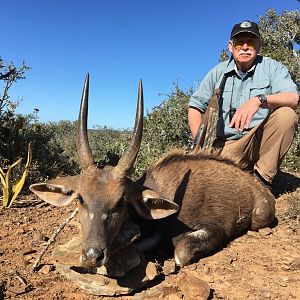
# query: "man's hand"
244,114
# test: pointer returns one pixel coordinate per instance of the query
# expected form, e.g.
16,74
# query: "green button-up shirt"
267,77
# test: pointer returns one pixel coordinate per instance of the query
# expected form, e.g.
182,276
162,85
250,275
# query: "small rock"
295,264
160,291
141,296
252,233
16,290
192,267
166,291
173,297
28,251
265,231
268,295
229,259
46,269
206,270
151,271
285,268
283,284
102,270
195,289
169,267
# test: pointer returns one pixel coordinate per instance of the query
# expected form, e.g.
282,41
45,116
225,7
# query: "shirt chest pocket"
261,87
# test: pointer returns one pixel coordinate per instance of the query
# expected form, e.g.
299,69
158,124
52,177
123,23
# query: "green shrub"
165,127
49,159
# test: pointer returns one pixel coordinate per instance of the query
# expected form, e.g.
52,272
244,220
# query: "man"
257,119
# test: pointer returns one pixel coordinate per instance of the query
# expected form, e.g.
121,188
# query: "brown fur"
217,191
214,195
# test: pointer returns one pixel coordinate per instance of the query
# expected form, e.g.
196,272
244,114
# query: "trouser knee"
285,118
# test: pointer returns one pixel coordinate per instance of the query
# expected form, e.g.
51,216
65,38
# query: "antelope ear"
151,205
56,192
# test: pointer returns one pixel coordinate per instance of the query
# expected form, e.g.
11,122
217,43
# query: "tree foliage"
49,158
11,124
165,127
9,74
280,35
281,39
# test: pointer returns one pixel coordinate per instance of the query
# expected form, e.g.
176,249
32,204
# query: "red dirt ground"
258,265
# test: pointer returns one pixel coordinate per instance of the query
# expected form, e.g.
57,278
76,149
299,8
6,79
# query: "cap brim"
242,31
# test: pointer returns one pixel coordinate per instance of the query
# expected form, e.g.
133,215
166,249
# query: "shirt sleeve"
281,79
204,92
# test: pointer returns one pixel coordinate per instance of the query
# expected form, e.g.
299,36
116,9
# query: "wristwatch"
262,98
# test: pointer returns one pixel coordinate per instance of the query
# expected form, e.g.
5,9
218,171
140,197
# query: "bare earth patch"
258,265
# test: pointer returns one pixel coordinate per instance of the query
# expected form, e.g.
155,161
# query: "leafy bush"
49,159
280,34
165,127
108,144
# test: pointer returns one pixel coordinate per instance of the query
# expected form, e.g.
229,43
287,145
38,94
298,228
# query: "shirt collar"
231,66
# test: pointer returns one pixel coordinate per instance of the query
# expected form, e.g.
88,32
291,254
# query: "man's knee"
284,118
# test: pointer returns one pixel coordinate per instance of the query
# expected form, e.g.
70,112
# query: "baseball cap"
246,26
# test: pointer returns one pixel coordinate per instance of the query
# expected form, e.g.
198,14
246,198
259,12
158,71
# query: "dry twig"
52,239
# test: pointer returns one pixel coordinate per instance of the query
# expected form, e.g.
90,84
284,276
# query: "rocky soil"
258,265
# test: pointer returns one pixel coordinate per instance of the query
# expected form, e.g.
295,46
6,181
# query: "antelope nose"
93,256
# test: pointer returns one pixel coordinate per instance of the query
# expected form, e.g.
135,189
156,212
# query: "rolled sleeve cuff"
195,103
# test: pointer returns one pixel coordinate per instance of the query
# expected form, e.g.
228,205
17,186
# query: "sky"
118,42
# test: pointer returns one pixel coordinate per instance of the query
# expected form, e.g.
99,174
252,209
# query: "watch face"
262,98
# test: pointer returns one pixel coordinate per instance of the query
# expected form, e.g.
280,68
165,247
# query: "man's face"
244,48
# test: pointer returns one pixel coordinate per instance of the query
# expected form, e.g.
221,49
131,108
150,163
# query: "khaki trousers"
265,145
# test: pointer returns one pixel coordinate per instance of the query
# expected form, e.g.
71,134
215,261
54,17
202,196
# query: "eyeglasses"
239,43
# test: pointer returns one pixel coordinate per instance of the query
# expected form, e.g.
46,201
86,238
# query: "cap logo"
245,24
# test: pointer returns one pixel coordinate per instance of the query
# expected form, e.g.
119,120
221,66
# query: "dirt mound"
258,265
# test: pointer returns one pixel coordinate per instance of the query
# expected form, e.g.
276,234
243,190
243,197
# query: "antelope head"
103,194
